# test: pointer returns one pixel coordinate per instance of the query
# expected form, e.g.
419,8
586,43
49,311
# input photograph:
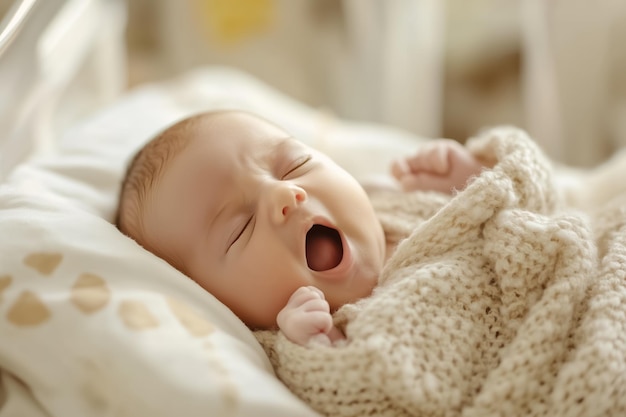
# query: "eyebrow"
272,153
287,142
285,145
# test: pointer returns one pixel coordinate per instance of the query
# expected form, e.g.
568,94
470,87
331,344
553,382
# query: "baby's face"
251,215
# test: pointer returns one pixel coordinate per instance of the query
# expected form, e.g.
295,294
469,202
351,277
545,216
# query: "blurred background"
433,67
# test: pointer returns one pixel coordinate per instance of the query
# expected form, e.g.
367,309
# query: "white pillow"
94,325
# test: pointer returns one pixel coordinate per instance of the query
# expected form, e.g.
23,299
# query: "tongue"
323,248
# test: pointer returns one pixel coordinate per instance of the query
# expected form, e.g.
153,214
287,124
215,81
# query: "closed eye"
239,232
296,165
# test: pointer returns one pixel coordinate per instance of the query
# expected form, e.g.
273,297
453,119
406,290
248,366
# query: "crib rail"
14,21
59,60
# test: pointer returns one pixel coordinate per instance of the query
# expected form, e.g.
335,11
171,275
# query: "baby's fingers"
299,325
303,295
315,305
317,322
432,157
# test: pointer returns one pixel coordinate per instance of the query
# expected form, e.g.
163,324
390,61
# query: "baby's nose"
286,199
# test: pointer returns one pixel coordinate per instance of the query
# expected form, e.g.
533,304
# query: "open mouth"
324,249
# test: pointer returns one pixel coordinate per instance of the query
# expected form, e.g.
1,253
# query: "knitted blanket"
501,301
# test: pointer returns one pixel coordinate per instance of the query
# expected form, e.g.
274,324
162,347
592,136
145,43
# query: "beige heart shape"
28,310
5,281
90,293
195,324
136,316
43,262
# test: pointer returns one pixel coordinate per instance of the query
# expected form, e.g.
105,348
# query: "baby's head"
251,214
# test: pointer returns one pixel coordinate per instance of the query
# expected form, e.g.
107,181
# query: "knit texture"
496,304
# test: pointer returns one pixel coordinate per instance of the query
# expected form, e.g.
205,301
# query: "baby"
271,227
497,300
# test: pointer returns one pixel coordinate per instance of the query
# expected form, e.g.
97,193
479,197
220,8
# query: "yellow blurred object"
230,21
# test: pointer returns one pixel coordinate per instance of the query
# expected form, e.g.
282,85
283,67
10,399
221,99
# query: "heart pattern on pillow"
89,294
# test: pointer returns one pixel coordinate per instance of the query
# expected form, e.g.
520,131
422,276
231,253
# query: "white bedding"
91,324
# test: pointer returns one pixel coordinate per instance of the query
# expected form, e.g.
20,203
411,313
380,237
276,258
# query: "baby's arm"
441,165
306,318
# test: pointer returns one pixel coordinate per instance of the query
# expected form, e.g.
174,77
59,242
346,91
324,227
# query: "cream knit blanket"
497,304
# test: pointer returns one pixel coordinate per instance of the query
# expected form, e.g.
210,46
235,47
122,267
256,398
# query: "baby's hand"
441,165
307,318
